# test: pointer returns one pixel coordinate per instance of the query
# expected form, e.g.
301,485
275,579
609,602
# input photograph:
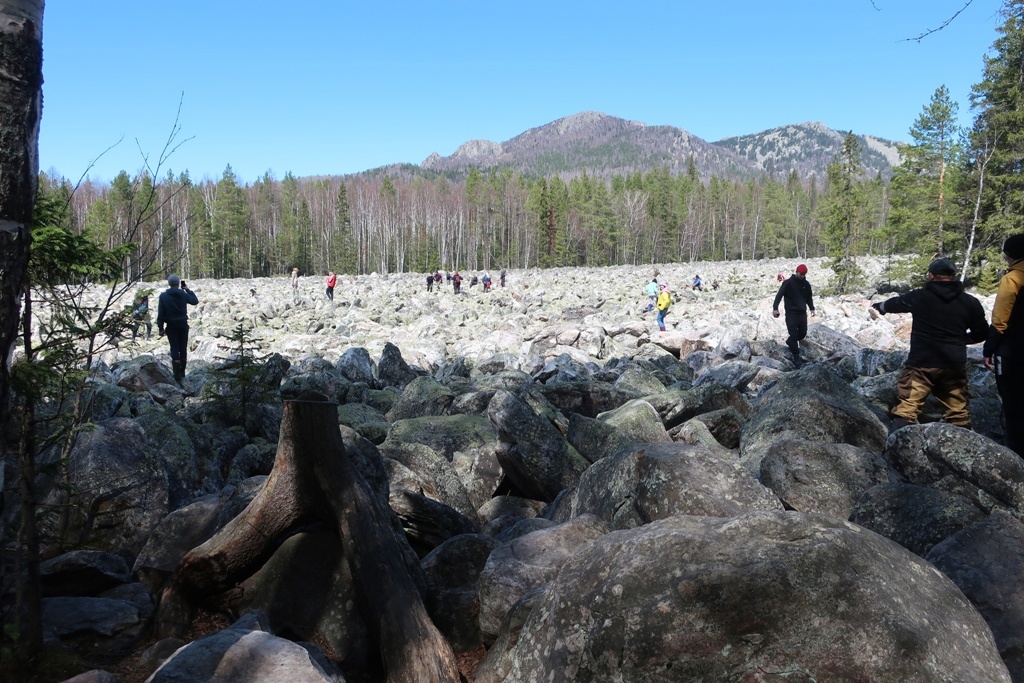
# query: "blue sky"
320,87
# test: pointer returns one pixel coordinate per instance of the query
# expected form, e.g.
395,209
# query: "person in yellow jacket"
1004,348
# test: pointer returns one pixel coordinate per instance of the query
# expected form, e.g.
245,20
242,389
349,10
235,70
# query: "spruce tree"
844,209
997,136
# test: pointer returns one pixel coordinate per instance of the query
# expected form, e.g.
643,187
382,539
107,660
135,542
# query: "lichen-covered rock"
817,405
959,461
532,452
528,562
638,420
699,598
814,476
916,517
986,560
655,481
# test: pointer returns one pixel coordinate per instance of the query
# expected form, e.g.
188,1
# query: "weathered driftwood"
314,480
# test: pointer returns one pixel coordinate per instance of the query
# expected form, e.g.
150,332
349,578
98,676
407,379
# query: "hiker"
714,285
664,302
141,315
172,316
780,277
698,284
437,280
295,284
652,294
946,319
456,282
430,282
501,277
486,280
473,281
796,291
332,280
1004,348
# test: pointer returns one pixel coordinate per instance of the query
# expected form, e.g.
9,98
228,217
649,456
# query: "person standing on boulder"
332,280
295,284
652,294
664,303
796,292
1004,348
172,314
946,320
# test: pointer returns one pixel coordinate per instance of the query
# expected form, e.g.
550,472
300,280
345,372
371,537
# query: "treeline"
223,228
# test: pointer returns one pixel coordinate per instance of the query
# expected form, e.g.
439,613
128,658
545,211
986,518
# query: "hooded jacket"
797,294
946,320
172,308
1006,336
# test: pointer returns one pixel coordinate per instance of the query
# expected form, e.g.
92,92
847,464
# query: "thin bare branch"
944,24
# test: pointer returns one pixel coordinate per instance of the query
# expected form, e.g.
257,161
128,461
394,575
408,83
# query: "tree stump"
313,480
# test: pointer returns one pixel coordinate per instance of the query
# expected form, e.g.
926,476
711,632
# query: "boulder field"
575,495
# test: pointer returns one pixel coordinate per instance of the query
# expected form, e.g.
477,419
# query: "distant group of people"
455,278
946,320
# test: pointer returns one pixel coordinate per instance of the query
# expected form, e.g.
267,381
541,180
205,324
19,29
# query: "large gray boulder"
422,396
468,442
814,476
529,562
242,654
808,597
392,370
655,481
533,453
677,406
355,365
453,570
816,404
959,461
82,572
986,560
732,373
638,420
92,626
916,517
117,490
596,439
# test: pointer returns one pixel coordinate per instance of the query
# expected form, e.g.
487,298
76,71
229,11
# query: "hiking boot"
900,422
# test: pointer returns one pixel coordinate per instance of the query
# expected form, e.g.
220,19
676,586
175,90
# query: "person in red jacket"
332,280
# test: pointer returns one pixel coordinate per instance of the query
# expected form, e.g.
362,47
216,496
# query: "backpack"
664,301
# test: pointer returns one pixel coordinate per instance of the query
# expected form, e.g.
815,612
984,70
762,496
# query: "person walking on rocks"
664,303
946,320
172,317
796,292
332,280
295,284
652,294
456,282
501,277
430,282
1004,348
141,315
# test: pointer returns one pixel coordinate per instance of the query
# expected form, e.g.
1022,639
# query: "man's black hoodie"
946,320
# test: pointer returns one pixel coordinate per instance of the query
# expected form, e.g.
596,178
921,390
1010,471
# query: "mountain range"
604,146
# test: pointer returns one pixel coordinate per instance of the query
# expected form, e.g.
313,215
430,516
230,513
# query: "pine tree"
844,210
922,217
996,158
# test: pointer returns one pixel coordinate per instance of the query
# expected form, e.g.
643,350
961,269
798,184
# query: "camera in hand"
183,285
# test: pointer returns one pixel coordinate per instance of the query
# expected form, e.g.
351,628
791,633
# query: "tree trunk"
314,480
21,104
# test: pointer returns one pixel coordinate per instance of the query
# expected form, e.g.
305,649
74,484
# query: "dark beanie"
1014,246
942,266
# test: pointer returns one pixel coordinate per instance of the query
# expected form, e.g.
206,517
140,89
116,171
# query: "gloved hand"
878,307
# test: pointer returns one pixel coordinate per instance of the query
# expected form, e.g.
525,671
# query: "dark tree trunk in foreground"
21,106
313,479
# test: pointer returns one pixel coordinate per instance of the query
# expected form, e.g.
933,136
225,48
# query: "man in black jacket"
172,314
946,320
796,291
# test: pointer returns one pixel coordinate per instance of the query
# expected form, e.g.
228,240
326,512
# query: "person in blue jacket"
172,318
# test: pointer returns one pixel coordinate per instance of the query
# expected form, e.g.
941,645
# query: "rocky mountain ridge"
604,145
